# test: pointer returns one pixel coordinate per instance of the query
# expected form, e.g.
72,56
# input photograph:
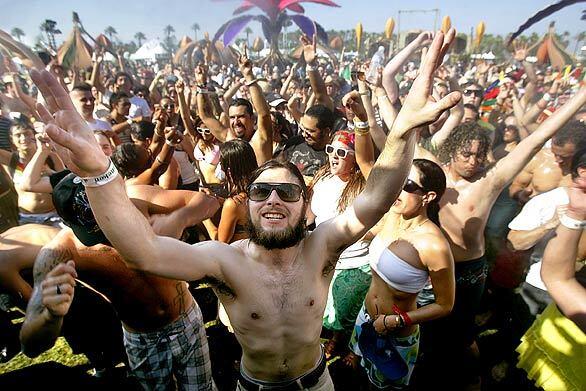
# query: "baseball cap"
275,100
72,205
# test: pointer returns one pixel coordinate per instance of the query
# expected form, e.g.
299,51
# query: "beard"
279,240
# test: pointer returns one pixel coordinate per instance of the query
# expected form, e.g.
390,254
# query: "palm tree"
16,32
168,30
195,28
579,39
139,37
247,31
48,27
110,32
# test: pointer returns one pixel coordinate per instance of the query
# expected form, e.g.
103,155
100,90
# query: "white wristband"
129,121
361,125
171,144
546,97
100,180
572,223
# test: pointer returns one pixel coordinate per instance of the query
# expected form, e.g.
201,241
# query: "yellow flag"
567,71
446,24
358,36
479,34
389,27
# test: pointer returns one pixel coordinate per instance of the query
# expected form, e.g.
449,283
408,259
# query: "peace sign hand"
67,129
245,64
420,108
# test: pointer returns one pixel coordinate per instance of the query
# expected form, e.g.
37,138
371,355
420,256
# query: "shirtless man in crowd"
470,194
550,167
279,322
34,208
151,308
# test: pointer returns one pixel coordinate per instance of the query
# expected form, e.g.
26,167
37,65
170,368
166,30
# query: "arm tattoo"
47,259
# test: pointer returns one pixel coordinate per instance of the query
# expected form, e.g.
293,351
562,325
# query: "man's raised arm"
318,85
392,167
508,167
262,140
124,226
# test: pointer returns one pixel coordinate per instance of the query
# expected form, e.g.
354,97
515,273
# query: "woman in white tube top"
409,249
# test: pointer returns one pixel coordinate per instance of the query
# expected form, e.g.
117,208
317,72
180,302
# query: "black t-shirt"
307,159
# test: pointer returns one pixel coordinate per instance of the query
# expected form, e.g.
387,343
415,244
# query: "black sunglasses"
412,187
288,192
169,106
477,93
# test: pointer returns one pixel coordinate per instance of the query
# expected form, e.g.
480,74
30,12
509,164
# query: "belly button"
311,302
254,315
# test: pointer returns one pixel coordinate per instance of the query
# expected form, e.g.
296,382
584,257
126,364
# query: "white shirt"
537,212
98,124
324,205
139,107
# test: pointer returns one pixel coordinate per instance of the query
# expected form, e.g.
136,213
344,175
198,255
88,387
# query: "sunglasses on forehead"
477,93
288,192
412,187
340,152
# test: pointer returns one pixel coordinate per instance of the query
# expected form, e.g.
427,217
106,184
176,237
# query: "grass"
60,353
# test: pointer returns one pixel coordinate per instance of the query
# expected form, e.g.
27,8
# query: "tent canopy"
150,50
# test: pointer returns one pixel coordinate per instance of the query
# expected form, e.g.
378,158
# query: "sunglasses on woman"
340,152
412,187
168,106
288,192
204,131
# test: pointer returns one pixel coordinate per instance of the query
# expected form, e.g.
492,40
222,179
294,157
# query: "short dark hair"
123,74
142,130
125,158
287,165
115,98
573,132
243,102
325,117
578,161
20,122
471,107
85,87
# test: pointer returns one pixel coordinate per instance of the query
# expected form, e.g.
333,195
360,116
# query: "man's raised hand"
245,65
67,129
420,108
309,48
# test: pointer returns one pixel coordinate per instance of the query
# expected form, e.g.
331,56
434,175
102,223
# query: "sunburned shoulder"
430,241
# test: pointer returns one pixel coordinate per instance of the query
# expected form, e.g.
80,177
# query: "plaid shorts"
176,353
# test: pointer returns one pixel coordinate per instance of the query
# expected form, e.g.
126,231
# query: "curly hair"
461,139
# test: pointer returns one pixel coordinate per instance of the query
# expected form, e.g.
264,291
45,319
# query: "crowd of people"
336,209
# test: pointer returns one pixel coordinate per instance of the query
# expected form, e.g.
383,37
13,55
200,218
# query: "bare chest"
547,176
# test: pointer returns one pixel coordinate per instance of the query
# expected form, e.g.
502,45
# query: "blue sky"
150,16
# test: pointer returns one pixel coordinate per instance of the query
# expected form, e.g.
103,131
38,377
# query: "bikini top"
394,271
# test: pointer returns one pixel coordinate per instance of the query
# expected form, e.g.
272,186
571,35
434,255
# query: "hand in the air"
57,289
419,107
309,49
67,129
353,103
245,65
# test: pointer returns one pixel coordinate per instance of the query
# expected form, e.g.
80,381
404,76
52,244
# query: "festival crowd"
336,209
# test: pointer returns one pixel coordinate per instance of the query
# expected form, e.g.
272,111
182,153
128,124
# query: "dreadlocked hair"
461,140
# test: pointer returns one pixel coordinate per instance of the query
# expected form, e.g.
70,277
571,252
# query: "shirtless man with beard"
274,286
470,194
